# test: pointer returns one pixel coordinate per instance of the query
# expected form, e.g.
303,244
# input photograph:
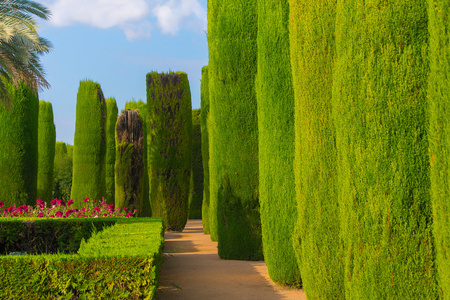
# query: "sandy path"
193,270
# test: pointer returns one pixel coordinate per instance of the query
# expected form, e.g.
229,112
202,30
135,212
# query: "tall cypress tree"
204,116
275,96
46,151
110,131
196,194
234,203
379,87
62,182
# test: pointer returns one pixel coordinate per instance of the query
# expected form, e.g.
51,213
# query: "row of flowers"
60,209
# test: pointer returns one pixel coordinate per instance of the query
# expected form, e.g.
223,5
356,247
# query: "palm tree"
21,46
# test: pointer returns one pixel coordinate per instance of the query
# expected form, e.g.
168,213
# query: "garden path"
192,269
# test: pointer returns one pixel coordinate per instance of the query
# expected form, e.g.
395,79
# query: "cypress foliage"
62,173
196,194
141,107
46,151
18,143
110,130
234,204
317,239
379,88
439,92
275,97
129,166
204,125
170,157
89,144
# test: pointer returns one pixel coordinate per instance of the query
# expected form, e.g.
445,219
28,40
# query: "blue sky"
116,43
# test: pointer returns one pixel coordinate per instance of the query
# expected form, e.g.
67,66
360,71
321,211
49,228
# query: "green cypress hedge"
62,173
317,239
46,151
18,144
234,203
204,125
196,194
110,131
275,95
439,92
89,144
129,166
380,115
170,156
141,107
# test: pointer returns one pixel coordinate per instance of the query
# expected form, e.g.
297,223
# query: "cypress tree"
46,151
234,203
129,166
110,130
204,116
439,93
141,107
89,144
196,194
19,141
62,174
379,87
275,97
170,157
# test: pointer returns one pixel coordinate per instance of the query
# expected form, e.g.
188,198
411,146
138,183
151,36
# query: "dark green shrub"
234,202
204,116
141,107
129,167
62,172
89,144
439,93
18,143
46,151
275,96
170,154
110,130
380,114
317,239
196,195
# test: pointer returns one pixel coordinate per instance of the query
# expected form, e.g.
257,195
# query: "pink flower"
69,212
96,209
59,214
70,202
61,203
40,215
130,214
40,203
53,202
1,204
23,208
86,200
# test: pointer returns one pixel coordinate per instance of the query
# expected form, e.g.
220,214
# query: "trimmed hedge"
196,194
317,239
110,159
62,173
19,145
204,125
170,156
89,144
439,93
46,152
275,95
379,88
120,262
129,167
233,144
141,107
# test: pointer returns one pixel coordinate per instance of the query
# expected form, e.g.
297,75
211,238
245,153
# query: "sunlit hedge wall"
234,202
204,116
196,195
89,143
46,151
110,131
380,115
170,154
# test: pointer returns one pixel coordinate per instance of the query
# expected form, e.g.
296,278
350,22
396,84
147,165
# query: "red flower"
86,200
59,214
70,202
40,215
53,202
40,203
1,204
130,214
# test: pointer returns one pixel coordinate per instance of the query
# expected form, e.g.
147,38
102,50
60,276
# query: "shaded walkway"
193,270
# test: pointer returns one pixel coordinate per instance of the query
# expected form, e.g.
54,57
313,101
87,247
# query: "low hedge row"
120,262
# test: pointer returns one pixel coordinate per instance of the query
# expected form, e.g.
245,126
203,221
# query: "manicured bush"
141,107
62,173
89,143
380,114
317,238
204,116
18,144
170,156
439,95
110,130
129,167
46,151
275,96
233,144
196,194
